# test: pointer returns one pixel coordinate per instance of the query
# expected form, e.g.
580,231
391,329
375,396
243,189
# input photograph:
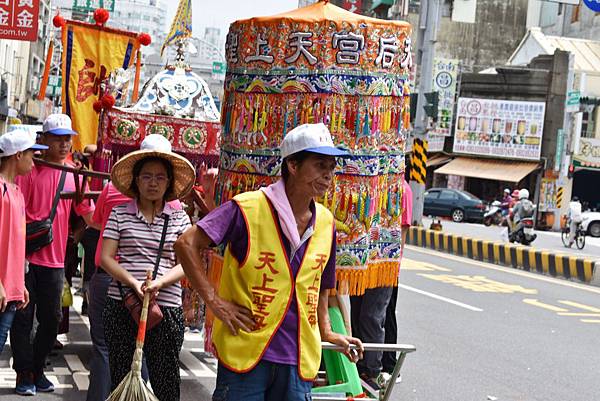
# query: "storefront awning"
499,170
437,160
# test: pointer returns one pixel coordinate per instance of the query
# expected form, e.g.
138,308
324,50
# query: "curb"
515,256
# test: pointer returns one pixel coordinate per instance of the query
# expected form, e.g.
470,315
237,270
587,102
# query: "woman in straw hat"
130,247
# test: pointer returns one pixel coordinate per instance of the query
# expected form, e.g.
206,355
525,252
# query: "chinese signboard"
589,153
444,82
500,128
91,5
352,5
19,19
560,148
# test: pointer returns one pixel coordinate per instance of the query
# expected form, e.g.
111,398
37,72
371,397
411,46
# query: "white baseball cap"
156,142
18,140
314,138
58,124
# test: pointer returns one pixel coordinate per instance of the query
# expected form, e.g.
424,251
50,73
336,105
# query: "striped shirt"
139,242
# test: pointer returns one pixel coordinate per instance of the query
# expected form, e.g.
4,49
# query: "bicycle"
579,236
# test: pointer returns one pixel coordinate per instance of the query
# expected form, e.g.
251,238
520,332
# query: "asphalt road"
545,239
482,332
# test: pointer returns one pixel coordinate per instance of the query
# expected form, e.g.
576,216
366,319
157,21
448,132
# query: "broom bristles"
132,388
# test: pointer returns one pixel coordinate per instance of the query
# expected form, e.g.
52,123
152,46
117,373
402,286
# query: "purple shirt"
226,225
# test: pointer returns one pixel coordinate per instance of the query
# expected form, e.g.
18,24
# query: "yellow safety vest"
264,283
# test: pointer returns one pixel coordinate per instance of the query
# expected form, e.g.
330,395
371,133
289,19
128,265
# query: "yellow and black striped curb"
516,256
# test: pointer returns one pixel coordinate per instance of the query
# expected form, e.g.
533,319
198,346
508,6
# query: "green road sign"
91,5
218,67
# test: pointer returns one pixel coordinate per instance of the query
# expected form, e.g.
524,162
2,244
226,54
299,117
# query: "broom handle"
141,336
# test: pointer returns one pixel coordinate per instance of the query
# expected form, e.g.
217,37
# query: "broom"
133,387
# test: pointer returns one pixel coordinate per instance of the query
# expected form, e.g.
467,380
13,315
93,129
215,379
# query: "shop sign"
445,74
588,155
19,19
435,143
573,98
499,128
560,148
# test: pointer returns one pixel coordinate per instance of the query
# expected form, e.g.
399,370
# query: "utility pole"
429,20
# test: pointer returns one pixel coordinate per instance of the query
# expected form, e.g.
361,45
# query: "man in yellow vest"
279,265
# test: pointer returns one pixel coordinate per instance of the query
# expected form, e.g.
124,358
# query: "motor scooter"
494,214
523,233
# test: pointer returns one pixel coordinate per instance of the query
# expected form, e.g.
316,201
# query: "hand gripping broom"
133,387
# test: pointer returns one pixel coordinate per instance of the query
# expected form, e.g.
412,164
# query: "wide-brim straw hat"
184,174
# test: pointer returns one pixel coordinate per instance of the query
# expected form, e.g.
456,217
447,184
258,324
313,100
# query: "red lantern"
58,21
108,101
101,16
97,106
144,39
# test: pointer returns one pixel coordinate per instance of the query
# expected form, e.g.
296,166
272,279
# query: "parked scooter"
493,214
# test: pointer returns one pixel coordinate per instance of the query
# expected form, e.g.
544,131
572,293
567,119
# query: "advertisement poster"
500,128
19,19
589,153
548,194
445,73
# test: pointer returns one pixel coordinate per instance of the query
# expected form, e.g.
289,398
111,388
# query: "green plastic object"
342,374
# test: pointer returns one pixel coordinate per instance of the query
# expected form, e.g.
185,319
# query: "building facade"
556,19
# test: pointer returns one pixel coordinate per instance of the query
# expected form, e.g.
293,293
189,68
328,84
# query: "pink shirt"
108,199
407,204
38,189
12,241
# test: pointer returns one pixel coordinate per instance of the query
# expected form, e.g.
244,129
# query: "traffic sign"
218,67
593,5
91,5
573,98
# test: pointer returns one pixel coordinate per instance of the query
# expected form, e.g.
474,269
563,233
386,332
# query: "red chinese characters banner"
19,19
352,5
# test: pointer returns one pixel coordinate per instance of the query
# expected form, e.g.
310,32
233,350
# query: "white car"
591,223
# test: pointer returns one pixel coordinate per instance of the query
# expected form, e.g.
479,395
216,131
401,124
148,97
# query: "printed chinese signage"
91,5
500,128
19,19
589,153
445,73
548,190
352,5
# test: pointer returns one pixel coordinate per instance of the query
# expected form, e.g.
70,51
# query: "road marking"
415,265
80,373
440,298
197,368
509,270
479,284
535,302
581,306
579,314
590,320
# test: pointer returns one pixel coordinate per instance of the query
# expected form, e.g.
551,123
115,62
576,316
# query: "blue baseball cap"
314,138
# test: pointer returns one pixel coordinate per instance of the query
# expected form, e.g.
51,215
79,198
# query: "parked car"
460,205
591,223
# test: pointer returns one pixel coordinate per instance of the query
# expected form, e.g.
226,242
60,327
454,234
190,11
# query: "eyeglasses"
160,179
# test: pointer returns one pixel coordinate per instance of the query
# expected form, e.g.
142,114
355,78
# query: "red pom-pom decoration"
144,39
58,21
101,16
97,106
108,101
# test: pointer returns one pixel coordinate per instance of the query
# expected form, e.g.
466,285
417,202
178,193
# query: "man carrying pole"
279,265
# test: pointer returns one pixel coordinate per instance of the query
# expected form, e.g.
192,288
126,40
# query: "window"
432,194
448,195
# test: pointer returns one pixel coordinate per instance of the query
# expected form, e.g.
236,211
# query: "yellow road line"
581,306
590,320
579,314
535,302
505,269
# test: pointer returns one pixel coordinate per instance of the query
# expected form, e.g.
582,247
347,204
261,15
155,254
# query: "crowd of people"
279,249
